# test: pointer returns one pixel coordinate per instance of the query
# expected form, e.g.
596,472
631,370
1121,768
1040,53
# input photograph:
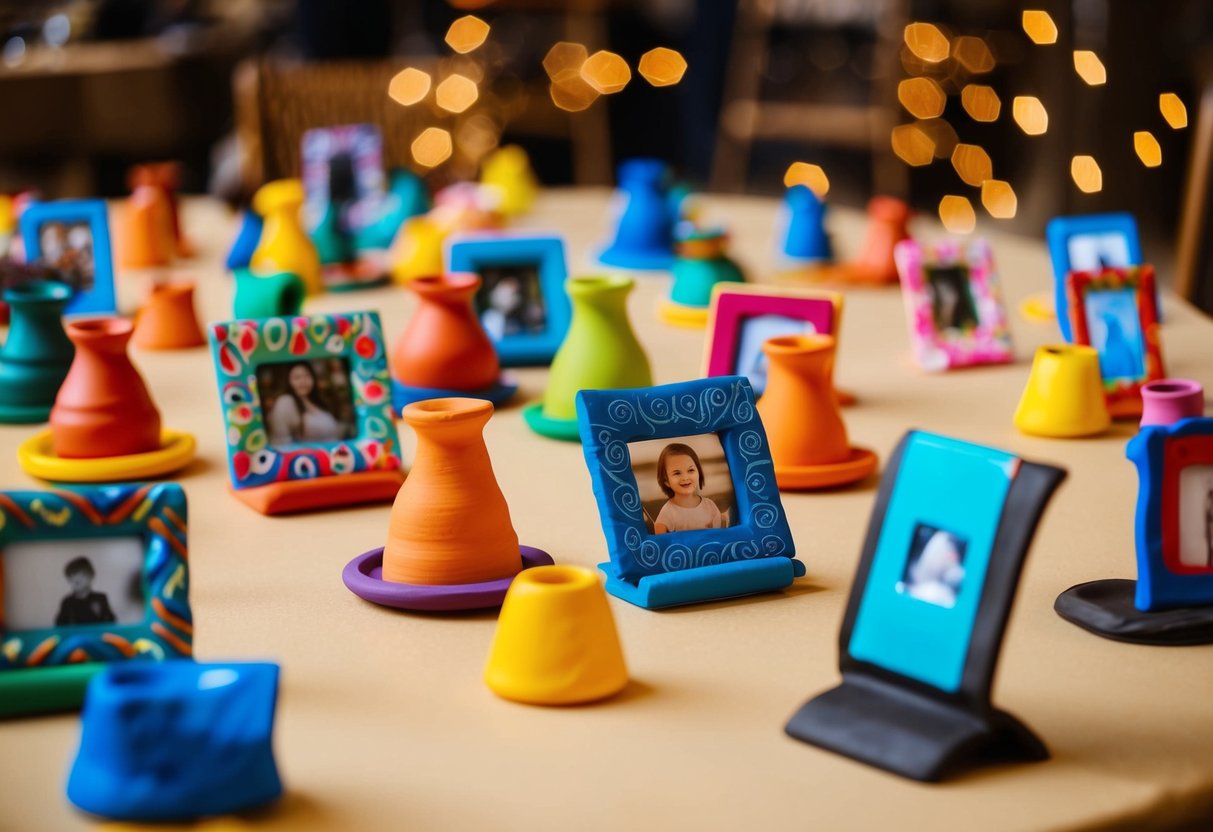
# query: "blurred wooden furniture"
1194,263
747,118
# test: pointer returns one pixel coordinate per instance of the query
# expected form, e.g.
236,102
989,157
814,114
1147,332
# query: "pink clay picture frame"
985,338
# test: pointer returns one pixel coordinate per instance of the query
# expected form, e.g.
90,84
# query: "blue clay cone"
37,354
175,740
406,197
806,237
242,249
644,236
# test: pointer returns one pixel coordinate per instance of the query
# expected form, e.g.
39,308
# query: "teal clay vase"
35,358
701,264
333,243
599,352
267,295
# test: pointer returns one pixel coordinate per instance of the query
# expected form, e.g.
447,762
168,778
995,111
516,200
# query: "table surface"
384,718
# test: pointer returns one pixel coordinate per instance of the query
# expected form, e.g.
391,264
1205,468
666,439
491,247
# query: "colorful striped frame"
47,668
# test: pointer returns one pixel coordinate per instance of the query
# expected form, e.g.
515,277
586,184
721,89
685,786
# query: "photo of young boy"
82,605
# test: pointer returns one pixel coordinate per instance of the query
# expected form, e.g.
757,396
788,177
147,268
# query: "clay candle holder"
37,354
444,351
599,352
1166,401
144,233
702,264
799,409
644,232
1064,396
284,245
556,642
104,425
167,320
451,544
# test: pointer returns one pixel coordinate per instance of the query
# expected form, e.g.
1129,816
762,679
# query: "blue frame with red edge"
472,252
1160,453
1058,233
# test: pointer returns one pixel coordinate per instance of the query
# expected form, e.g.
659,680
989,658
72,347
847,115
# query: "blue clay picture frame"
46,668
1166,578
754,553
100,299
482,253
1062,231
918,663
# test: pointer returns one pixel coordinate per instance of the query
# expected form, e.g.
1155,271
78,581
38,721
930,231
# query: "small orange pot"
167,320
450,523
444,345
103,408
888,220
145,236
799,409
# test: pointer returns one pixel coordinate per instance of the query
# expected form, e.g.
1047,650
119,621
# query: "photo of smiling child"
684,483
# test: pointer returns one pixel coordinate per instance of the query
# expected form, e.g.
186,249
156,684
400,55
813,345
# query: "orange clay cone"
103,408
145,225
887,226
450,523
167,320
444,345
798,407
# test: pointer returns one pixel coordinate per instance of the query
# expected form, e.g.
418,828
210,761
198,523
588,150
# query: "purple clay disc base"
363,576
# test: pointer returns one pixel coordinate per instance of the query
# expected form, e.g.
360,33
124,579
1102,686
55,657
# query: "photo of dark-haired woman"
297,409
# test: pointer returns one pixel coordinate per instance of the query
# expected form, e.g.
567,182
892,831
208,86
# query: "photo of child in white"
73,583
934,566
684,483
510,301
306,401
1196,516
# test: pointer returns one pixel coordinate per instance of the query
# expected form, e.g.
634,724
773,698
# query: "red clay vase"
888,220
798,407
450,523
145,226
167,320
444,345
103,408
167,177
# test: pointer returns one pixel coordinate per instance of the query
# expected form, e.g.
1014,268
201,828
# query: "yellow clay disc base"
856,467
37,458
678,314
1039,309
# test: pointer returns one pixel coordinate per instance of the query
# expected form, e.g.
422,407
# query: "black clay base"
906,733
1106,609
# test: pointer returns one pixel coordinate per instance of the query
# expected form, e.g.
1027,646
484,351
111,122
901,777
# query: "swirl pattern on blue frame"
610,419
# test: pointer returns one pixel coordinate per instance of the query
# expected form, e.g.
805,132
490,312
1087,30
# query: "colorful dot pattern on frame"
240,347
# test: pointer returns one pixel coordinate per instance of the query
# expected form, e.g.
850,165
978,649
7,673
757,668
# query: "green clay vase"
37,354
694,278
333,244
599,352
267,295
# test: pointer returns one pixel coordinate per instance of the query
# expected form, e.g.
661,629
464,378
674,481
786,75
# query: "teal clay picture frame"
47,668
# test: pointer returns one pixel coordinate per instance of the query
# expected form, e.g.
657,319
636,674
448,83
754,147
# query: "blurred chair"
748,119
1194,266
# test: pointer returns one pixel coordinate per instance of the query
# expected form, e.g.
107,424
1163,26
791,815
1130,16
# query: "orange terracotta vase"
167,320
445,346
145,236
450,523
103,408
888,220
798,407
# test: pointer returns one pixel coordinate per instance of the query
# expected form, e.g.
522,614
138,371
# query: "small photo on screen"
934,569
73,583
755,330
1115,332
1196,517
1094,252
952,304
307,401
684,483
510,300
